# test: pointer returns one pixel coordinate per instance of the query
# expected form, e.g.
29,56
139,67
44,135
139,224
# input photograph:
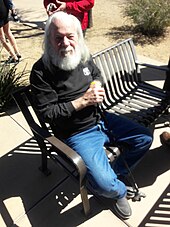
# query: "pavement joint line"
19,125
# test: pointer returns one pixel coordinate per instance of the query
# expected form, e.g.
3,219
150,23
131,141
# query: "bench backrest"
119,70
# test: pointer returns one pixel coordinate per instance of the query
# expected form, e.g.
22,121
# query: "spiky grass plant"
10,80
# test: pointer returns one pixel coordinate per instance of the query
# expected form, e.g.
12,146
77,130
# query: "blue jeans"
134,140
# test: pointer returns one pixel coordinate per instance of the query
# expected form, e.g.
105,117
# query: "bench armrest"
62,148
163,68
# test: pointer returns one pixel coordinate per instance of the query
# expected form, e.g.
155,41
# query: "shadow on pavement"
155,163
28,194
160,212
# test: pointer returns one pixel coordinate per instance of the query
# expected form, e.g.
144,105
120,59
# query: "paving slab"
63,208
22,184
12,133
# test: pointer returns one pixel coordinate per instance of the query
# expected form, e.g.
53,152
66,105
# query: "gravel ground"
109,27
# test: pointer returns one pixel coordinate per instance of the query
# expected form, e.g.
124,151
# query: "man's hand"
94,95
61,6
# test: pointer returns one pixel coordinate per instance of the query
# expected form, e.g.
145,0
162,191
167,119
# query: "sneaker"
122,208
11,60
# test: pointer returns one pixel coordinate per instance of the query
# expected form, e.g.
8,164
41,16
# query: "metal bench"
126,93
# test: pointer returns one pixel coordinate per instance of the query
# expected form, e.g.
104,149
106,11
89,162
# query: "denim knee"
109,187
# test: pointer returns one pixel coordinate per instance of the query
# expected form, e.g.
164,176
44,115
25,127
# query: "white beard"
66,63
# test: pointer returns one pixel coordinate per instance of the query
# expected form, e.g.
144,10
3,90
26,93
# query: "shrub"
151,17
10,80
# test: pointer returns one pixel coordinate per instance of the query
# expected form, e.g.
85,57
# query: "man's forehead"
63,25
63,30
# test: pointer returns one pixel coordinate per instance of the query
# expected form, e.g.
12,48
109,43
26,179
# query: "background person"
5,32
64,96
80,9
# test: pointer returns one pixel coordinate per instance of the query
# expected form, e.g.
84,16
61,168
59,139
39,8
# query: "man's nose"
65,41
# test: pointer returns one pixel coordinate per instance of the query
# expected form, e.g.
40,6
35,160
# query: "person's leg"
11,39
5,44
134,140
89,145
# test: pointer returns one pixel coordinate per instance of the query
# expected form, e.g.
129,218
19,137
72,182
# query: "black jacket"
53,93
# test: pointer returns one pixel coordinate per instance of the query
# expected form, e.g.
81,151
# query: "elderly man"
66,96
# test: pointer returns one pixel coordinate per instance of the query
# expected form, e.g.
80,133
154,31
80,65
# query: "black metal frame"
126,93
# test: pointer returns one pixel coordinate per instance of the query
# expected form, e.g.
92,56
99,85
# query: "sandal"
11,60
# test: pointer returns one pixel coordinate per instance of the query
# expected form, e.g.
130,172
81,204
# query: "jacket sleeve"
79,6
46,99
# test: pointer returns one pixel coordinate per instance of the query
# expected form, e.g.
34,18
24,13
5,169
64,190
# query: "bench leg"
85,200
43,166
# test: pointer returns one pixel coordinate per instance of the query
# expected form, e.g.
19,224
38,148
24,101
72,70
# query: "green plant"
10,80
151,17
